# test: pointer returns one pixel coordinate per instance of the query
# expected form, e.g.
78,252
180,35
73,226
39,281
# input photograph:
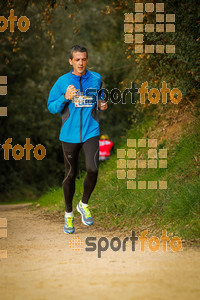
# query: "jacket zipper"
81,116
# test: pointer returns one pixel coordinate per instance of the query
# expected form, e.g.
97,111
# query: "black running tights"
71,152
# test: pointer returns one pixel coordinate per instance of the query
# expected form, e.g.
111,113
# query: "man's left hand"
102,105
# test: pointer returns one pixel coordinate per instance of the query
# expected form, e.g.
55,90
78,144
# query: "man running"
71,97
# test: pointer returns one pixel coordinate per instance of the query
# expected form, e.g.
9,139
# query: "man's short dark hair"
77,48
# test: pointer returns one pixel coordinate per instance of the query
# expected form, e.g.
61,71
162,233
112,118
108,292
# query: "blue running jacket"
78,123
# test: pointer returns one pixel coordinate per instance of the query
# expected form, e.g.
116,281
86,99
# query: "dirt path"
41,265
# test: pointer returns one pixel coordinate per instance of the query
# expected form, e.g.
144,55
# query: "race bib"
83,101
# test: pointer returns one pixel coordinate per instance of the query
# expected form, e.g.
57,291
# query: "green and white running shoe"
69,225
87,218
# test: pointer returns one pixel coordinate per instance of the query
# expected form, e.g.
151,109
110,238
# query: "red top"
105,147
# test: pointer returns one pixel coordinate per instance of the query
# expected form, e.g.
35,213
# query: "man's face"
79,63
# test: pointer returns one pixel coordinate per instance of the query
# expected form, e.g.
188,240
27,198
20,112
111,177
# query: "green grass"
176,209
53,199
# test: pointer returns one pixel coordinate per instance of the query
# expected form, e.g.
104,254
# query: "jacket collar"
83,76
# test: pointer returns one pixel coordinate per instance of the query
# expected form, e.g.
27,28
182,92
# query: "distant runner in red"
104,147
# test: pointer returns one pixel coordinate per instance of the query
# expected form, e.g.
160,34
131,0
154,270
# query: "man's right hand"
70,92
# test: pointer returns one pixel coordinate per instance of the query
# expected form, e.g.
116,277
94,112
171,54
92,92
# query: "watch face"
83,101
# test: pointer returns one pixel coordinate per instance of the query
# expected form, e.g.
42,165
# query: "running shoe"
86,214
69,225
